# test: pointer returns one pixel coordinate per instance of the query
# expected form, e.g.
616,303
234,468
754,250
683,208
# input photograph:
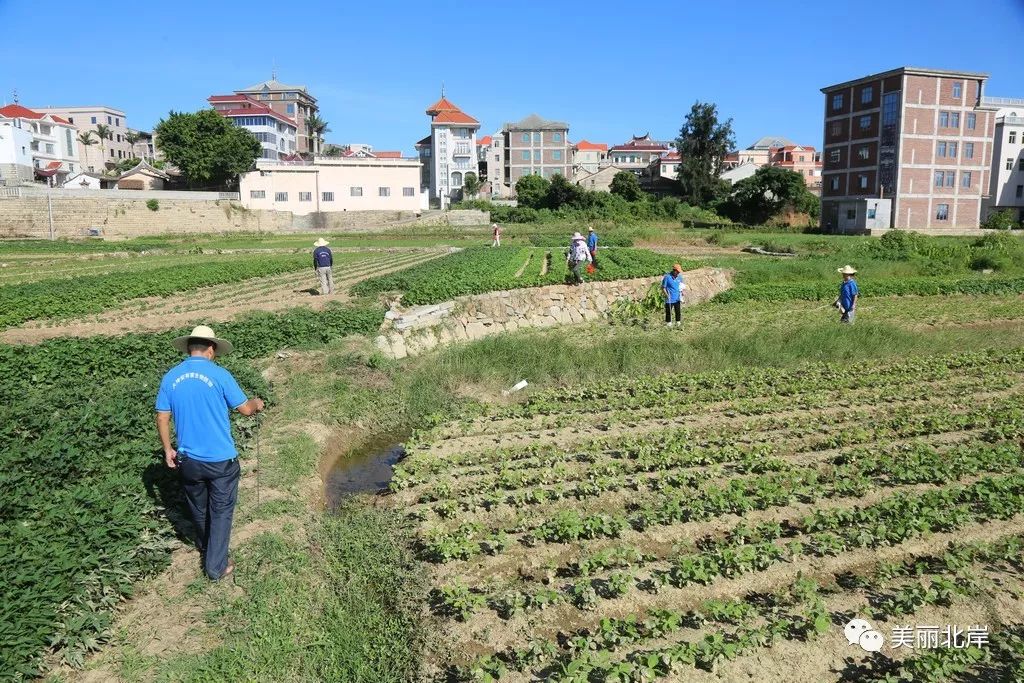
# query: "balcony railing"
1011,120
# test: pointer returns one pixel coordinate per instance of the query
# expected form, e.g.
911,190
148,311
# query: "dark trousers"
593,256
211,489
677,307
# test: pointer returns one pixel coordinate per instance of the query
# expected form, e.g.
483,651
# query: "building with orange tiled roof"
588,156
36,145
449,152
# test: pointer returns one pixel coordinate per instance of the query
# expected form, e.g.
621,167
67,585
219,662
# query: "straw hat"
676,267
590,228
846,270
203,332
576,236
321,243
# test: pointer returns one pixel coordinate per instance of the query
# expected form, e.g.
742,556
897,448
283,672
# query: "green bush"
1000,220
153,205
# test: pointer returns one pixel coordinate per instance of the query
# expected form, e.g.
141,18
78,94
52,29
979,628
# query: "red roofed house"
588,156
449,152
51,152
637,154
102,154
275,131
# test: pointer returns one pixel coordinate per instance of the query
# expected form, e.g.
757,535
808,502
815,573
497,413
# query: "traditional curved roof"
441,105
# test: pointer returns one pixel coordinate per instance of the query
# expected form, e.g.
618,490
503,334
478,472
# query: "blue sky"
375,66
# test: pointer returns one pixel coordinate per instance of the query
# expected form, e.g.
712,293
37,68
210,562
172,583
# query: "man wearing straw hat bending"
848,295
198,393
323,261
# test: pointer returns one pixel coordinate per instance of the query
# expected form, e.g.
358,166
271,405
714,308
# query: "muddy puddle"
365,471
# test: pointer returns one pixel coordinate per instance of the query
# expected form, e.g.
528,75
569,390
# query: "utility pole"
49,214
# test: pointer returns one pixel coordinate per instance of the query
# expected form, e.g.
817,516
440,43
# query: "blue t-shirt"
847,291
198,393
592,241
322,257
672,285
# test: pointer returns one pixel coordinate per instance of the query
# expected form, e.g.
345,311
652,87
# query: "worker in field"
672,287
323,262
846,302
198,394
592,244
577,258
495,235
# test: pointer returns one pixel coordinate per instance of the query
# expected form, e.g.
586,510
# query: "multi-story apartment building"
759,153
802,159
491,165
1007,182
293,102
103,153
145,147
535,146
637,154
916,140
276,132
588,156
449,152
52,145
15,153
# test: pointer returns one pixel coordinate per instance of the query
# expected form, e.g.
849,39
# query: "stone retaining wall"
412,331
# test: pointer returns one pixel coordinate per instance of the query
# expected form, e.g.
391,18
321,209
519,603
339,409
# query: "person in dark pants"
323,263
592,245
848,295
672,288
198,393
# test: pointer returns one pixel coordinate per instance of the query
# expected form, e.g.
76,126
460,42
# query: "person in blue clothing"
848,295
198,394
672,287
592,245
323,261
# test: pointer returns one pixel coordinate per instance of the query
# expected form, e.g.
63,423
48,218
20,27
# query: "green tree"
767,193
208,149
315,128
532,191
1000,220
471,184
626,185
131,137
103,133
563,192
86,140
702,144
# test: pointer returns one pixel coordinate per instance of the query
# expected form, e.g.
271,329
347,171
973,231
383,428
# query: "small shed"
142,177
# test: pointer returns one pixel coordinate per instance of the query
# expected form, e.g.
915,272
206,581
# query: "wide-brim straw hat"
590,229
321,243
203,332
577,236
846,270
676,267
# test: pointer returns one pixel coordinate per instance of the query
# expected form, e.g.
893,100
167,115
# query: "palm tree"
86,140
315,128
131,137
104,133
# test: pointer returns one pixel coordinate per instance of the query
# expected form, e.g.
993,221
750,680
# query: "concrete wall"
410,332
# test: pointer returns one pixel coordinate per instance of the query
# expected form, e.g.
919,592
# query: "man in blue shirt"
323,260
848,295
198,394
592,245
672,288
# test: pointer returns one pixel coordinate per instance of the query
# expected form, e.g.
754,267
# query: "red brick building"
919,138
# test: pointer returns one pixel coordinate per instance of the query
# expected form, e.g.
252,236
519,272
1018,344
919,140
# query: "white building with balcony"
53,147
276,132
1007,178
449,152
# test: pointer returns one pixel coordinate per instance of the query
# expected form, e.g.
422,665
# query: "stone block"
575,315
553,311
475,330
590,314
398,348
512,325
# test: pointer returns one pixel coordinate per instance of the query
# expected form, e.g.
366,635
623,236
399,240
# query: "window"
940,149
536,138
943,119
939,178
93,119
526,137
866,94
872,212
972,121
386,191
257,194
950,178
851,214
289,108
1020,191
117,121
119,137
280,196
536,155
526,155
355,192
71,119
801,157
110,120
942,212
305,196
408,191
111,154
497,157
834,155
834,183
957,89
1013,137
862,181
557,155
1009,164
954,119
865,122
556,137
1020,164
837,102
951,149
862,152
965,178
968,150
327,196
49,148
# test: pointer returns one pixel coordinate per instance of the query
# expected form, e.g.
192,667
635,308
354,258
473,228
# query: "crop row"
906,286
